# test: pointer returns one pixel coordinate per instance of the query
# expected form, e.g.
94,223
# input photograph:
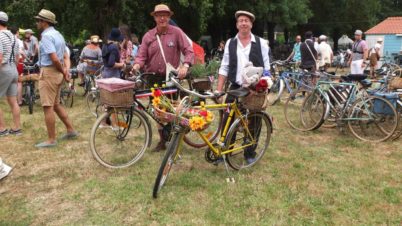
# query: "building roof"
391,25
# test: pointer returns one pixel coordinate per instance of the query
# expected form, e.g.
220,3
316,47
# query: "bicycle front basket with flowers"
183,114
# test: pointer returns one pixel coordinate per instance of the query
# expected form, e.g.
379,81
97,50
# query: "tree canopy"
78,19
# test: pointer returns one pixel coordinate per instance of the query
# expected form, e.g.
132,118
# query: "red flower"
261,86
203,113
157,93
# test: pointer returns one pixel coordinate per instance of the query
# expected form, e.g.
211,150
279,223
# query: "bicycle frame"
220,149
345,106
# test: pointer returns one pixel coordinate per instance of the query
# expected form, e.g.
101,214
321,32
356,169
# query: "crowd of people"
162,48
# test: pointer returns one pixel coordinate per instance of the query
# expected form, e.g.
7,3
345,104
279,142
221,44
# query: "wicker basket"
395,83
27,78
123,98
255,101
201,84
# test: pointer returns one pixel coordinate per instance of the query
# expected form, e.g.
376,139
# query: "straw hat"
95,39
46,15
29,31
161,8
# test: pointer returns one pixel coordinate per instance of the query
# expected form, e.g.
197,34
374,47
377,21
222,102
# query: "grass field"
318,178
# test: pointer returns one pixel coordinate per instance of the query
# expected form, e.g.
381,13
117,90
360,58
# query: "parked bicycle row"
371,109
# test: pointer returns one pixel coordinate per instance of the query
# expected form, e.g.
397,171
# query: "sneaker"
16,132
69,136
4,133
4,169
46,145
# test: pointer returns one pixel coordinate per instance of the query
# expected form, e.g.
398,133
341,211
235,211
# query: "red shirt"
174,42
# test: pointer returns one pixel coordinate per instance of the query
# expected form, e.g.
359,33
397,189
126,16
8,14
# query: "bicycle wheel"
275,92
313,111
298,111
120,137
67,96
373,119
30,98
398,131
212,132
92,100
260,127
167,162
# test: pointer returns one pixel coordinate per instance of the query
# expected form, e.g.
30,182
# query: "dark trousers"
254,126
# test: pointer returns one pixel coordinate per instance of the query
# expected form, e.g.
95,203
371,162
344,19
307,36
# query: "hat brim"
249,15
118,39
162,11
45,19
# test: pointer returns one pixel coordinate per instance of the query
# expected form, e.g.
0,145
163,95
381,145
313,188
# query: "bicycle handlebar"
177,84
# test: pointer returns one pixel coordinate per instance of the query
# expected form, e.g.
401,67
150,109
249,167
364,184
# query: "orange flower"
156,101
197,123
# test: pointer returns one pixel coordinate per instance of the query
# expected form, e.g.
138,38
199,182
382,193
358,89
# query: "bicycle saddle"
353,77
240,92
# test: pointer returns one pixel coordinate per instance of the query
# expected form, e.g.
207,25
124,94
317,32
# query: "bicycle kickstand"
230,178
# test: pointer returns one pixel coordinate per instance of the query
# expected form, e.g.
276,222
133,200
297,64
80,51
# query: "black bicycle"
30,76
68,91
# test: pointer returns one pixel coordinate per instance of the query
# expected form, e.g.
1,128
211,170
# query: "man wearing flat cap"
51,61
359,54
245,47
153,54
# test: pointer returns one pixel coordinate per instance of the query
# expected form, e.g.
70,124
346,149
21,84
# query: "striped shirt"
7,39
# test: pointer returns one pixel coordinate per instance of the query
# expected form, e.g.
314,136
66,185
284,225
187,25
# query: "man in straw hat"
359,53
90,52
245,47
151,58
31,45
51,60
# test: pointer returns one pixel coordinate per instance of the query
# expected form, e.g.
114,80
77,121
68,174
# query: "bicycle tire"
30,99
313,111
236,159
124,148
213,131
167,163
368,106
294,108
92,100
275,92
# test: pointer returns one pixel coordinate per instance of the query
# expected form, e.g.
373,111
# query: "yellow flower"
156,85
197,123
156,101
163,85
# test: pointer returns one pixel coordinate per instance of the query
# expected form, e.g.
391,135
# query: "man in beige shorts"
53,72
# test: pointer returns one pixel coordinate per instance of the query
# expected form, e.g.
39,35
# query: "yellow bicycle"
244,139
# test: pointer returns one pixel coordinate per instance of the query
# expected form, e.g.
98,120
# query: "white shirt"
325,52
376,46
243,53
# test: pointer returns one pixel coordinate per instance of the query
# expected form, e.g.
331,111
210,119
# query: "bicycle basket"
201,84
395,83
255,101
116,92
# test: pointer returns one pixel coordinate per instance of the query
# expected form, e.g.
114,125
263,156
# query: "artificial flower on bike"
194,118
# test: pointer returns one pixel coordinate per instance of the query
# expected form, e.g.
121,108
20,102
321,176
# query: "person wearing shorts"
53,71
9,76
359,54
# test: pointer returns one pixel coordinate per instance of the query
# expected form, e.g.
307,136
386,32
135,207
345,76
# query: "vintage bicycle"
249,134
